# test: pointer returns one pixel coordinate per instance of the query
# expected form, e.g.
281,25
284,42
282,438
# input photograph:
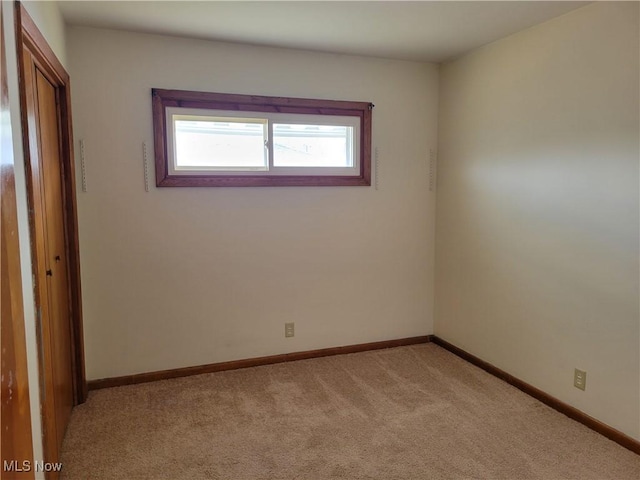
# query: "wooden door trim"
29,38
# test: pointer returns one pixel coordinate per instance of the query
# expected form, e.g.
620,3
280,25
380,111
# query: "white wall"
46,15
537,219
188,276
49,21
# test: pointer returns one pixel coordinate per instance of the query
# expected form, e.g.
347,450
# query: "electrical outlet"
580,379
289,329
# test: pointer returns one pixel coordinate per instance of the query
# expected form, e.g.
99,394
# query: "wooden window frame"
163,99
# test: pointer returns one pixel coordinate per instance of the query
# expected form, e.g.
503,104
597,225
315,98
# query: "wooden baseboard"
252,362
571,412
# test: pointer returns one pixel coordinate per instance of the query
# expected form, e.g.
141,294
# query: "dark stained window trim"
254,103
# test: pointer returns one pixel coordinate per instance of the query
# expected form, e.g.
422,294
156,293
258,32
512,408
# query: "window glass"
220,144
312,145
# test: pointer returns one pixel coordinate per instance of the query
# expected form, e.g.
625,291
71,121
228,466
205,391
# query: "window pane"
220,145
312,145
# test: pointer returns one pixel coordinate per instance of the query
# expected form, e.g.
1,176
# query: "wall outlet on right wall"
580,379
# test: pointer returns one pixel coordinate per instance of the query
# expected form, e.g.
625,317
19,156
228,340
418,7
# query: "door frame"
29,38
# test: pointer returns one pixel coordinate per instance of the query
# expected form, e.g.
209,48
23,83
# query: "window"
227,140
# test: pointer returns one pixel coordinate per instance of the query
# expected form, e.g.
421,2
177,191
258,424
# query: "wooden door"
48,145
16,416
51,255
55,258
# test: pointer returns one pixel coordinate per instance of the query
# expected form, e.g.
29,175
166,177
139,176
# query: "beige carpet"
414,412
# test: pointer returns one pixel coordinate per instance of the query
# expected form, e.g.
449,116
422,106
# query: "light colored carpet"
414,412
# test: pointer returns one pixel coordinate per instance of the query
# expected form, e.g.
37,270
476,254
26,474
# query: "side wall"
187,276
537,217
46,15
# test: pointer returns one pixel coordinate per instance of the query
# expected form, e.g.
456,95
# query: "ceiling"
416,30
